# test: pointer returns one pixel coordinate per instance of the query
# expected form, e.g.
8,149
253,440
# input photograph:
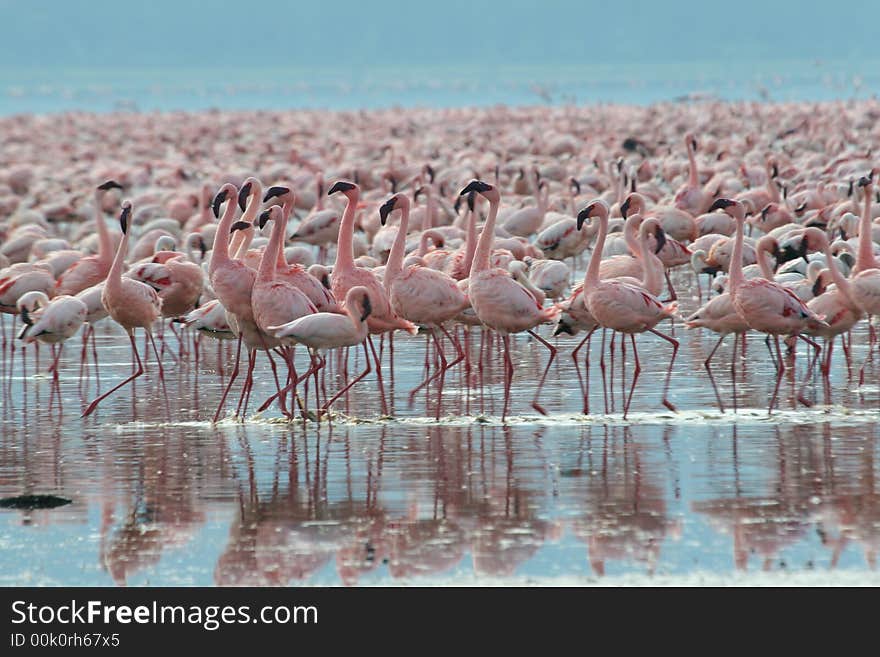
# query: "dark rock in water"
33,502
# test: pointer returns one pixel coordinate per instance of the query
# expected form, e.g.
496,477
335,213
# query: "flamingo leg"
675,344
508,374
540,387
349,384
637,369
780,371
161,373
817,350
378,375
232,378
708,365
584,381
140,370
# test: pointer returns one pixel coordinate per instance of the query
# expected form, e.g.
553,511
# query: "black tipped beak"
775,172
864,181
387,208
218,201
264,217
720,203
203,248
693,143
243,194
475,186
274,192
123,218
325,281
26,319
340,186
624,208
457,205
818,287
430,171
575,185
764,211
110,184
786,253
661,240
561,328
471,200
368,308
584,215
239,225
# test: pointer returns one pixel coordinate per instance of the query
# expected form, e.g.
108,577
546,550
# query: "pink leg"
707,364
780,371
552,351
584,382
508,374
140,370
379,376
232,378
636,371
349,384
161,373
668,404
817,350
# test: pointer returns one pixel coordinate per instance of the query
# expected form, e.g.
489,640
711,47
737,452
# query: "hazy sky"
451,33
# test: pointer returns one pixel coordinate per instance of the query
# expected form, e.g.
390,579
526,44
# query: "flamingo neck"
773,188
427,218
273,250
114,277
652,268
395,259
865,258
736,261
693,176
764,263
631,235
220,250
484,245
841,281
286,210
470,245
105,244
344,245
592,276
319,188
432,235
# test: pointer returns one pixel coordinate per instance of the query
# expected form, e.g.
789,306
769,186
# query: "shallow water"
163,497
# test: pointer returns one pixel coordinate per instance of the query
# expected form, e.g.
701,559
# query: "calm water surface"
162,497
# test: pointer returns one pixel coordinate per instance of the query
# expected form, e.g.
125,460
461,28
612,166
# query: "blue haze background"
187,54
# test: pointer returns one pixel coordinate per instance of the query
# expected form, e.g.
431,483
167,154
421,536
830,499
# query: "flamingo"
424,296
276,301
766,306
500,302
623,306
346,276
865,288
132,305
322,331
91,270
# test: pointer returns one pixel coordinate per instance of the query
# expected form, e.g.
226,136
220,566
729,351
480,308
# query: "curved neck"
652,268
253,204
395,259
865,258
736,260
632,236
484,245
764,261
273,249
244,243
772,187
592,276
344,245
841,281
105,244
220,250
427,218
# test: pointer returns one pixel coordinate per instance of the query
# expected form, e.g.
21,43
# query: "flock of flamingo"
332,232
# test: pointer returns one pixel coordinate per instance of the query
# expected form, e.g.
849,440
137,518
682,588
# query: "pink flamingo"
500,302
276,301
622,306
421,295
866,281
691,197
346,276
765,305
132,305
91,270
322,331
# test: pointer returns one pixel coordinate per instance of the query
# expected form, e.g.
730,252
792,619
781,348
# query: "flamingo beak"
274,192
387,208
475,186
123,218
110,184
239,225
624,208
264,218
340,186
368,308
584,215
218,201
660,234
243,194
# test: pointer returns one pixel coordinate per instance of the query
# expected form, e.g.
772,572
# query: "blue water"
93,90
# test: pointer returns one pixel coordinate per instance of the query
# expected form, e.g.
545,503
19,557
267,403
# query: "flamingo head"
110,184
124,216
342,186
398,201
483,189
276,191
221,197
590,211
